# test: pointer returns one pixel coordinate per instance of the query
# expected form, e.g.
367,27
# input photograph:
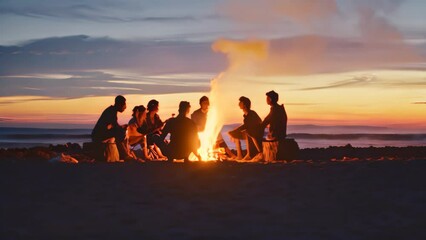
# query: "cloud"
76,66
355,81
419,102
269,11
95,83
375,41
97,11
86,53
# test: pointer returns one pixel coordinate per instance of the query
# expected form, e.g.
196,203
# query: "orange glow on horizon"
389,99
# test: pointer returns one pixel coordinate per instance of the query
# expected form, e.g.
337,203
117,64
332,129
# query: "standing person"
107,128
183,135
250,131
135,131
276,119
199,117
153,127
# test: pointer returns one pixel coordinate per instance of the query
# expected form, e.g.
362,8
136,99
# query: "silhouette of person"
135,131
199,117
153,127
276,119
183,135
107,128
250,131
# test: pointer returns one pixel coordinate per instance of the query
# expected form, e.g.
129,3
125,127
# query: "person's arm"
133,130
158,124
238,129
267,120
196,141
166,130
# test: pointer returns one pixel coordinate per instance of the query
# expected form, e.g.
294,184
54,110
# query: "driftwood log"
286,149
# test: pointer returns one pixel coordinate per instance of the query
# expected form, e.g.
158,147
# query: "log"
270,149
286,149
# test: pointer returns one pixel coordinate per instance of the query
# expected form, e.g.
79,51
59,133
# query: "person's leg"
141,140
258,144
248,142
144,145
236,137
122,143
221,143
160,145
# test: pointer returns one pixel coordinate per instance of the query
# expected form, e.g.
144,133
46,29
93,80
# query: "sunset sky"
333,62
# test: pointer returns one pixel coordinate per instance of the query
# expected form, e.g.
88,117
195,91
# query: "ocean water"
30,137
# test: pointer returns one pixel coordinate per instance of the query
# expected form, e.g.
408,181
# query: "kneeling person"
107,129
183,135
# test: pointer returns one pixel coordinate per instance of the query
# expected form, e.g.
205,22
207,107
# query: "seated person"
135,131
183,135
199,117
276,119
107,128
250,131
153,126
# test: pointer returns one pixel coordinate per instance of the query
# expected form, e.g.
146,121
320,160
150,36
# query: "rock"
59,148
63,158
74,147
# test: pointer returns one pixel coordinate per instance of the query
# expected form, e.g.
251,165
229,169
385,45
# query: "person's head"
120,103
184,107
153,106
204,103
271,98
139,112
245,103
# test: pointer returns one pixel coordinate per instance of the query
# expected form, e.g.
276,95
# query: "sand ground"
333,200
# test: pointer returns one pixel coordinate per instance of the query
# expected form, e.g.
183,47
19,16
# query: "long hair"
152,104
140,108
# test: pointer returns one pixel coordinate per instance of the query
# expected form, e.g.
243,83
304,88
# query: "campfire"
208,149
241,56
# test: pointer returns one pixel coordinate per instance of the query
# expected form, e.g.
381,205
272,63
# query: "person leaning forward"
250,131
107,128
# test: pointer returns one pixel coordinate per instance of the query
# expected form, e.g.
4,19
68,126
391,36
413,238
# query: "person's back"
105,125
278,122
252,123
276,119
183,136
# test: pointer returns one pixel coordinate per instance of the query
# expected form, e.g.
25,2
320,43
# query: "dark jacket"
100,131
277,121
252,124
183,137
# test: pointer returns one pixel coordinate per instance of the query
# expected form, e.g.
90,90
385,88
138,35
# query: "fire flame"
208,137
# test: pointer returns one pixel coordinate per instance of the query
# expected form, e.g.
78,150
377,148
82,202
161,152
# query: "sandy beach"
319,200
